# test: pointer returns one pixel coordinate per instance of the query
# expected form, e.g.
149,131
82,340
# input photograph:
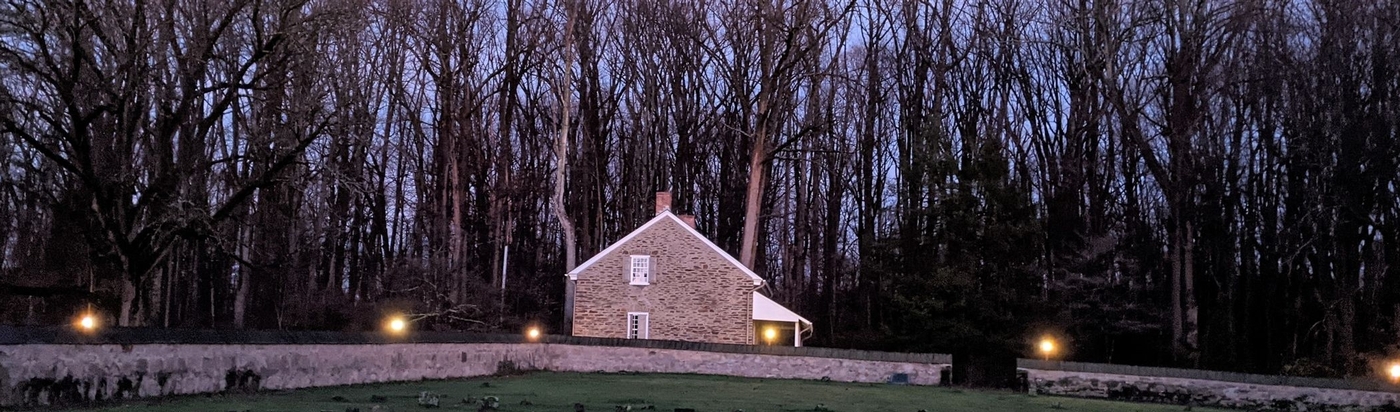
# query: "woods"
1198,183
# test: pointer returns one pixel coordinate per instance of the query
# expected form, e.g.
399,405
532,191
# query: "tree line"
1203,183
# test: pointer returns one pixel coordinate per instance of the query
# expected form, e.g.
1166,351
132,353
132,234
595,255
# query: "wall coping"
23,335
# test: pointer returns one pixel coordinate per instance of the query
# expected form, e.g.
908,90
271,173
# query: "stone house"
667,281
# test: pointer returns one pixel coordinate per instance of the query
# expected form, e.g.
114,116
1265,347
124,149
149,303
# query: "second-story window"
641,270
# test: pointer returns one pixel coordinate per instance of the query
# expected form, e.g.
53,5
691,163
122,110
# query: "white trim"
665,215
573,274
766,309
643,327
632,270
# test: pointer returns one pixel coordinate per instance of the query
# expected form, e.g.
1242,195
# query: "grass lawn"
557,392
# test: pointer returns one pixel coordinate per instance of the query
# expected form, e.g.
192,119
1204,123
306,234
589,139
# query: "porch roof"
766,309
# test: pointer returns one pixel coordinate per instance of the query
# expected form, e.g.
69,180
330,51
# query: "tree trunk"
128,302
753,199
240,299
561,156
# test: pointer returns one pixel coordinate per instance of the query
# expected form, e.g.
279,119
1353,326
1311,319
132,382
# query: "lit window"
641,270
637,325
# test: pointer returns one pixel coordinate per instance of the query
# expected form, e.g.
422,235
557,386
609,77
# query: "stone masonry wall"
618,359
47,374
42,374
1183,391
696,295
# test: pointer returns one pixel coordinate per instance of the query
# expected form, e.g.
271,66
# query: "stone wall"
1203,392
598,359
49,374
695,295
42,374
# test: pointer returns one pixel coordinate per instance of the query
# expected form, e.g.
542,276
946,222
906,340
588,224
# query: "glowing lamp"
1047,347
770,334
397,325
88,322
533,333
1394,371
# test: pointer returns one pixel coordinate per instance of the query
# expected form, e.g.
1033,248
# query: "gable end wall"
698,295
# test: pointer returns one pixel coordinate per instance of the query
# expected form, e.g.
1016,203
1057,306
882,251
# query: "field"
558,392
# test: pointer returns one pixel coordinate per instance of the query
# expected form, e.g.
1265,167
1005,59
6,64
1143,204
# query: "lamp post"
87,322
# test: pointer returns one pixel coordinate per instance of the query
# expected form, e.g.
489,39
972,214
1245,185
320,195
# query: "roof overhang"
768,310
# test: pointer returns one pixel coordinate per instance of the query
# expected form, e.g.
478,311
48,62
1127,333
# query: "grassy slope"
558,392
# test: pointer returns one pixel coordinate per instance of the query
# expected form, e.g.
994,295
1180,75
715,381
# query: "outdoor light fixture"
533,333
1047,347
1394,371
770,334
87,323
397,325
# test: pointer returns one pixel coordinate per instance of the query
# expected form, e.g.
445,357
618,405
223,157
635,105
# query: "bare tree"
788,36
97,122
561,156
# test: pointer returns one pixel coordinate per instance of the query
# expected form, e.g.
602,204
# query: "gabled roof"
766,309
665,216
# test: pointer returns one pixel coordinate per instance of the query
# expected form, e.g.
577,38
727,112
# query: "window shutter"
646,326
652,269
627,268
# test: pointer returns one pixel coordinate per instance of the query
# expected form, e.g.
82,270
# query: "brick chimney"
688,219
663,202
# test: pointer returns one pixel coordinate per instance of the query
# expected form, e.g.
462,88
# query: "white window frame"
639,265
643,330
